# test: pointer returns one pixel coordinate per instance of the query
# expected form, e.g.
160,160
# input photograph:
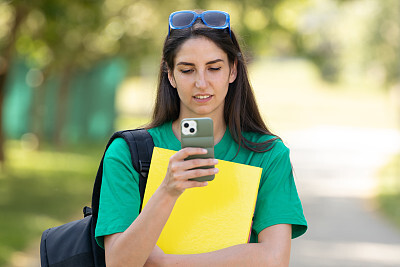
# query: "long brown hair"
241,113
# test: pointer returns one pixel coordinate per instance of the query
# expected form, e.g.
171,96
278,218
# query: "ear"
233,74
171,78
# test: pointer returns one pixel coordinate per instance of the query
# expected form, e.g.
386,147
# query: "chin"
204,113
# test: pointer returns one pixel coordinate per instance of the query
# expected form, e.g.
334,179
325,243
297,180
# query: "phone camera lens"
186,125
191,130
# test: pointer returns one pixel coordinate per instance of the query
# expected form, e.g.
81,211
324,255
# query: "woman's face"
201,75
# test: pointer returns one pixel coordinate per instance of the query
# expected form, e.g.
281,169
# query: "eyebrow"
208,63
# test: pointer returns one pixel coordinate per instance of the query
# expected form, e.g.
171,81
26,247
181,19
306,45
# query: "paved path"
335,170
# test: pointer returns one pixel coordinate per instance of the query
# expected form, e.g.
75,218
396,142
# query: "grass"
388,196
44,188
41,189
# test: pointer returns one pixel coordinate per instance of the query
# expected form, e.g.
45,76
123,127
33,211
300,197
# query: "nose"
201,82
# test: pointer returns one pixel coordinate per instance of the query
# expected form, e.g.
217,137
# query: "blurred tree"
60,37
8,38
51,42
38,33
382,53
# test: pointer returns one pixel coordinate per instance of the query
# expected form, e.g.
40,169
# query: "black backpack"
73,244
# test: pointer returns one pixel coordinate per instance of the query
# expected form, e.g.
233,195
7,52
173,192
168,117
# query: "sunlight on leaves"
256,19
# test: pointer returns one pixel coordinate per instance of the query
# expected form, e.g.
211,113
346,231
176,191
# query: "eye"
215,69
187,71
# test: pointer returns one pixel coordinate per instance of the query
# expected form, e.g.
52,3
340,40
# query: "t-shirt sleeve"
119,196
278,201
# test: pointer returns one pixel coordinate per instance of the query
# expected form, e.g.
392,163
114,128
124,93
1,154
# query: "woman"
203,74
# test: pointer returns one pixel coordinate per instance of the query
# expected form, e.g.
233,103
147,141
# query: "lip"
202,100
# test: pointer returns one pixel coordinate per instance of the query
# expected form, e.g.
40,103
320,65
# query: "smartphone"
199,132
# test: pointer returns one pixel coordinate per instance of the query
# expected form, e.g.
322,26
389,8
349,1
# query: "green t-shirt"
277,199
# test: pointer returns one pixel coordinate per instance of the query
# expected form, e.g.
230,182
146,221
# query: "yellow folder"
208,218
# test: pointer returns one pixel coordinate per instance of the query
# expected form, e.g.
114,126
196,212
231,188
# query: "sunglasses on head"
211,18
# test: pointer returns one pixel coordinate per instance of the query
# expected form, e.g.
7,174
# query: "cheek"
221,81
183,90
225,76
183,81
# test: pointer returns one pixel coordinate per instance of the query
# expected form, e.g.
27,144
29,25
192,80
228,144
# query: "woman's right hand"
180,171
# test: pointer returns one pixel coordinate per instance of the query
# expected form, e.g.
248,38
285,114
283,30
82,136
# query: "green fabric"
277,200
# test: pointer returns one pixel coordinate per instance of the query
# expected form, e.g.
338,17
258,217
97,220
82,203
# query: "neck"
219,129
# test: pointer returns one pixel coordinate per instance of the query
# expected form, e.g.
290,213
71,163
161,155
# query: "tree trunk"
38,111
3,76
62,106
5,63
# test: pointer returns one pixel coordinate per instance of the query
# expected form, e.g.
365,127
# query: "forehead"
199,50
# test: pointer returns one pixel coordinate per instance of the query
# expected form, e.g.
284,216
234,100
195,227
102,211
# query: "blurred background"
326,77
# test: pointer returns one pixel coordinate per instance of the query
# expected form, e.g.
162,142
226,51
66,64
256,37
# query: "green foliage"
382,52
42,189
336,35
389,190
48,36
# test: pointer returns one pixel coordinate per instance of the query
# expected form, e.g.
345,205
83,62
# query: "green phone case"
203,136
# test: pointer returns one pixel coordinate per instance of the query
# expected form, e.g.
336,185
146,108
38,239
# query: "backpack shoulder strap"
141,146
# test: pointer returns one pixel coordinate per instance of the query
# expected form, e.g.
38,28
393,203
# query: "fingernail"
215,161
216,170
204,150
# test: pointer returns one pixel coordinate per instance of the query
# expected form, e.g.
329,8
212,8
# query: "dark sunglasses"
211,18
